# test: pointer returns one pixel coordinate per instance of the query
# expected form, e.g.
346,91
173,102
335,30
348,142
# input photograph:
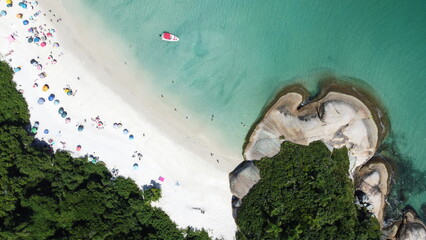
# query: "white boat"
166,36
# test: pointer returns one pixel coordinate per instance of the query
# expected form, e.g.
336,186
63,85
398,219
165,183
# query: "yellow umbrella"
8,1
66,90
45,88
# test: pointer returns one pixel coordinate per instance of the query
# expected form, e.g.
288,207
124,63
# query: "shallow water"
235,55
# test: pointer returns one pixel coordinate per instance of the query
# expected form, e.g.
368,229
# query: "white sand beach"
106,90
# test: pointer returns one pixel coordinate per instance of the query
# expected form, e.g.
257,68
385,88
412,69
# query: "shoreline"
193,178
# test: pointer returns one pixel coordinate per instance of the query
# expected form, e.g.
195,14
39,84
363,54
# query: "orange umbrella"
45,87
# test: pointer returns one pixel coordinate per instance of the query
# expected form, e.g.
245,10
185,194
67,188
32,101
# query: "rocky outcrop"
373,179
409,228
337,119
241,180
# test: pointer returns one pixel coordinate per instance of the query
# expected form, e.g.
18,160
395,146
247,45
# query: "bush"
304,193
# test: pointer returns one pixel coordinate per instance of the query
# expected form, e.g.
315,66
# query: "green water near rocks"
235,55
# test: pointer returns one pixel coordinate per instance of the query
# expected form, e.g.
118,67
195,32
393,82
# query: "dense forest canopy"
46,195
304,193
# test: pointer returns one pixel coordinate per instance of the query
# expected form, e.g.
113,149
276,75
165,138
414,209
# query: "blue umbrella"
56,102
25,22
80,128
135,166
69,93
125,131
51,97
41,101
30,40
17,69
131,137
3,13
64,114
36,39
61,110
46,131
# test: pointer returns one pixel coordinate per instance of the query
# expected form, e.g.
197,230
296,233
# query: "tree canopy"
46,195
304,193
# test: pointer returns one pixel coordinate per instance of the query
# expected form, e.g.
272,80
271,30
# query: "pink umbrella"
67,120
161,178
78,148
43,44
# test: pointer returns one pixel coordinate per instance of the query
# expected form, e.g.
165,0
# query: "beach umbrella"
51,97
30,29
80,128
125,131
46,131
19,15
36,124
34,130
43,44
36,39
49,34
23,5
78,148
131,137
55,44
45,87
56,102
61,110
64,114
30,40
160,178
135,166
69,93
17,69
9,5
67,120
115,125
119,125
25,22
8,1
40,101
52,30
3,13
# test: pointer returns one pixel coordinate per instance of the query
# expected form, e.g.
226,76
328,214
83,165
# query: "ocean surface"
234,56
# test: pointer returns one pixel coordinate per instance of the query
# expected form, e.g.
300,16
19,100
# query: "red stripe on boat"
167,36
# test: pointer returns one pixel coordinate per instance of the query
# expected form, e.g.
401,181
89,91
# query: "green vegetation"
304,193
45,195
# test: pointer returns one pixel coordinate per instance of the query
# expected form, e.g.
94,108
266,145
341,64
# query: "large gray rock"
408,228
243,178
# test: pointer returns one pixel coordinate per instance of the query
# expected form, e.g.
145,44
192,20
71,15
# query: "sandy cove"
109,91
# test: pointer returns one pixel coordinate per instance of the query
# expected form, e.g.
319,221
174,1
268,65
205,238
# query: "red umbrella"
43,44
78,148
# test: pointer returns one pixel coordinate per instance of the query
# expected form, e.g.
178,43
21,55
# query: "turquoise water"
235,55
